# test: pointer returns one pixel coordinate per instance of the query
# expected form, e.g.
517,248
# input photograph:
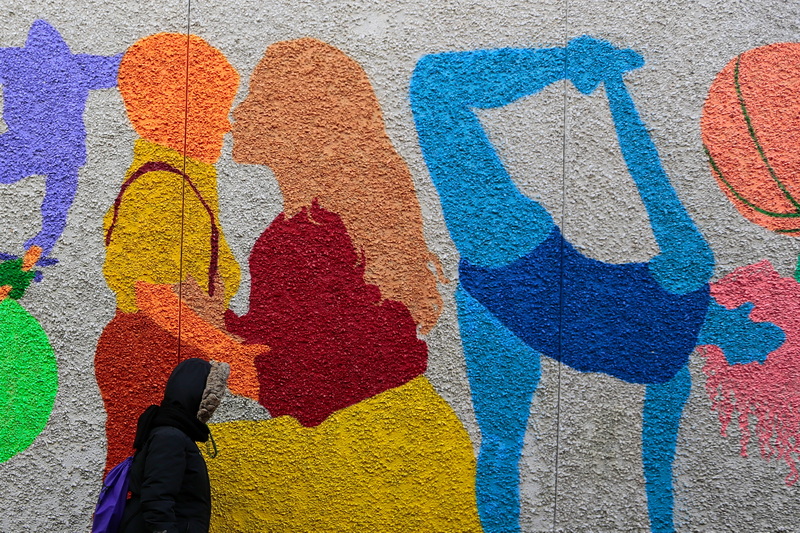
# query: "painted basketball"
751,133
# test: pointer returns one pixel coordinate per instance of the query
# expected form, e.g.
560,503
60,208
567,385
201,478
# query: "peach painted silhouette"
311,116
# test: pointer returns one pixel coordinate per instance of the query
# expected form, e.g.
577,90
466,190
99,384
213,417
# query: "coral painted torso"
333,341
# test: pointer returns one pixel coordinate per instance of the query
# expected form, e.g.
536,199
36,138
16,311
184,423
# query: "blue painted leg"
661,418
503,375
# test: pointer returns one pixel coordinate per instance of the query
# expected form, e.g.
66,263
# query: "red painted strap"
160,166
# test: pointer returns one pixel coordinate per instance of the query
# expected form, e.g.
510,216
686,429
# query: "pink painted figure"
767,391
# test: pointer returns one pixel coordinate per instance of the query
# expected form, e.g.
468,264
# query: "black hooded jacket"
169,485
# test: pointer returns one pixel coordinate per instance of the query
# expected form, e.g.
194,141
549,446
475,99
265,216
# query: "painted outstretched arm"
686,262
96,72
100,72
160,304
491,222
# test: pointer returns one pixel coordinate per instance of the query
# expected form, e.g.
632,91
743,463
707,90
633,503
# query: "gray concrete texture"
560,149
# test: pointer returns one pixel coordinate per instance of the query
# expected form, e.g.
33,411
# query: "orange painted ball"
751,133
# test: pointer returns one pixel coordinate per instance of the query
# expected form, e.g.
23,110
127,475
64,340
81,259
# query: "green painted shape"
11,273
797,270
28,379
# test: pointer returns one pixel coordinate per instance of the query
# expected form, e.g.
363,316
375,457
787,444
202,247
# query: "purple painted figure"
45,87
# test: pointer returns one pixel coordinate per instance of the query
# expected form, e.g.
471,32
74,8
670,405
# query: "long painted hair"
312,116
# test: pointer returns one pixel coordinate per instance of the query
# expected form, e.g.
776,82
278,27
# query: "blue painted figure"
45,88
524,291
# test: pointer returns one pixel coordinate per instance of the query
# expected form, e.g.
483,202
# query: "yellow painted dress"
400,461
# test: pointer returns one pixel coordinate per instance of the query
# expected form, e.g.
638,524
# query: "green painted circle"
28,379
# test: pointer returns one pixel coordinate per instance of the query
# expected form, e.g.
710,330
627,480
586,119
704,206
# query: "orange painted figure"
167,260
751,130
342,282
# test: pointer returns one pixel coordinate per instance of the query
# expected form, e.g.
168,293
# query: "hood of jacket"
181,404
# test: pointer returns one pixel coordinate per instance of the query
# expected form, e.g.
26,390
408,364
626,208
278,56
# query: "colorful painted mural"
45,87
327,270
168,263
525,291
421,197
167,260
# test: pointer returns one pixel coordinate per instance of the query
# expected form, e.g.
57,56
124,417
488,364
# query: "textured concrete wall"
394,138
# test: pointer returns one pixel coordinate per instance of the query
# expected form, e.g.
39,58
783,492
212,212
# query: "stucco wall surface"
476,265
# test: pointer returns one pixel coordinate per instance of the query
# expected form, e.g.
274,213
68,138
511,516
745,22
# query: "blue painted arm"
491,222
686,262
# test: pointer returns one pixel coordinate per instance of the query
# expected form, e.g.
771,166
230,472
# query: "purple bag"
111,502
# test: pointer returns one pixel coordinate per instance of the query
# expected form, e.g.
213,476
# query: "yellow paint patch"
400,461
146,240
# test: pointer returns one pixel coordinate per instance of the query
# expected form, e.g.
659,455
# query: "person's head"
193,392
196,387
307,100
153,82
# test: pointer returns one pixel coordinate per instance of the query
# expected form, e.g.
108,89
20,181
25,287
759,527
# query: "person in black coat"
169,485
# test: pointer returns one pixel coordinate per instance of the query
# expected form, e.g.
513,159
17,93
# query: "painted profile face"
254,120
308,102
277,124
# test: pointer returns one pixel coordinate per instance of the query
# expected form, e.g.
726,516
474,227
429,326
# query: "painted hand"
244,376
208,307
591,61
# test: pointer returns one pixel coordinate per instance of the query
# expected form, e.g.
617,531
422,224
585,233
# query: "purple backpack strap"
113,496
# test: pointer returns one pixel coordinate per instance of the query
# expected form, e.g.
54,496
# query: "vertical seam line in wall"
183,180
561,265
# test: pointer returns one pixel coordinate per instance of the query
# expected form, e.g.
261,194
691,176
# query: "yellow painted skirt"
398,462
